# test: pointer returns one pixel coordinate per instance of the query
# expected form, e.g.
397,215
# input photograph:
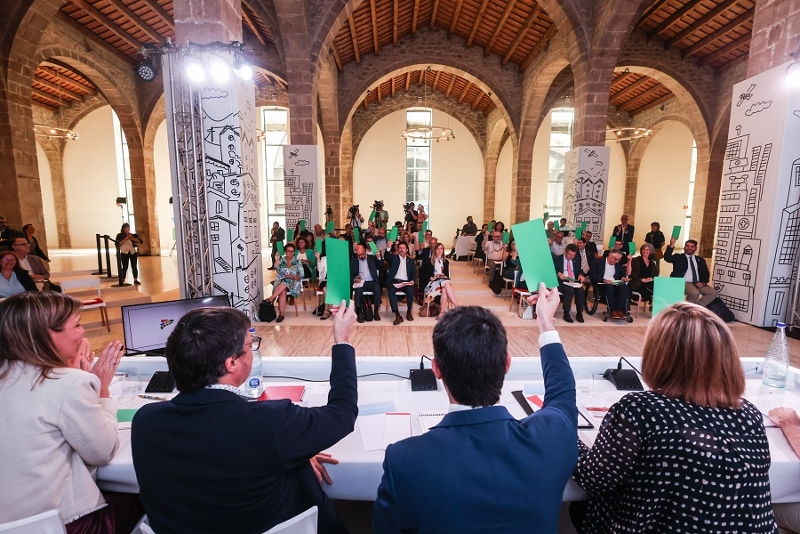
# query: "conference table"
389,411
464,245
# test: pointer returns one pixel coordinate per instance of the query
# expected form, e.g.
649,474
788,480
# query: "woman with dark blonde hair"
437,271
57,419
13,278
690,455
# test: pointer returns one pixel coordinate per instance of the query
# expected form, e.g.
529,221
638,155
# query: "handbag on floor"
266,312
368,311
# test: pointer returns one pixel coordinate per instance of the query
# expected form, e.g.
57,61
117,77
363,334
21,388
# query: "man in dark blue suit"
607,270
694,270
364,268
209,461
568,270
480,469
401,271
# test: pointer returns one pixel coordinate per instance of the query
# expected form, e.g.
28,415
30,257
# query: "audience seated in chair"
693,269
585,257
287,280
495,251
401,269
606,271
557,246
644,270
568,271
436,273
364,272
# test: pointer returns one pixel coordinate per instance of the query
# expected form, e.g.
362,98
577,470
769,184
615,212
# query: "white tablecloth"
463,243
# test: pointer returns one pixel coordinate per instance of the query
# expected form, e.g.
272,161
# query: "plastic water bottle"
776,361
253,386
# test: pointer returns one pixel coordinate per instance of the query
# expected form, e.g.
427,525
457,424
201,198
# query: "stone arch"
496,136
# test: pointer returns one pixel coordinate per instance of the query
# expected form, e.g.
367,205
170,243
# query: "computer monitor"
147,326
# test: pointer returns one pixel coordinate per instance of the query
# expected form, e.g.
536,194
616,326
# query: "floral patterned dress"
293,287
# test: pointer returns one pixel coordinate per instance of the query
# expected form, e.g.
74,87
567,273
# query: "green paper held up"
424,226
505,237
545,215
676,232
279,246
318,245
632,248
373,247
612,242
666,292
289,235
372,216
392,234
302,225
420,237
338,272
534,253
579,232
357,235
329,227
125,415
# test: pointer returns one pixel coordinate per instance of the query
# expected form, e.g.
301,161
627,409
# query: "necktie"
584,262
694,269
569,269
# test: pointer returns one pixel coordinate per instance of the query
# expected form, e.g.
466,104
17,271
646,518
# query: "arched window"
275,125
418,159
561,122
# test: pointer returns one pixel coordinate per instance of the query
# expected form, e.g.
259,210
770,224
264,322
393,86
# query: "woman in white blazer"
57,419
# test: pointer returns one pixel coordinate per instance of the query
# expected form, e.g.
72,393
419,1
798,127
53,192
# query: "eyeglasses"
255,342
8,260
21,245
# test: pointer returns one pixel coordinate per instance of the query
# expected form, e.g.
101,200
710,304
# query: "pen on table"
151,397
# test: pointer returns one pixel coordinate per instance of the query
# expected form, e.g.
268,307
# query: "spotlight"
243,69
195,70
146,70
219,69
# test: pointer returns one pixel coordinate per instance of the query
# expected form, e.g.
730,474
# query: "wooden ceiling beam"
374,19
464,92
477,100
436,81
728,48
354,38
551,31
732,25
337,59
378,90
60,89
107,23
477,22
503,18
66,79
522,32
653,104
165,17
83,30
456,13
421,78
393,87
647,94
435,11
415,17
622,93
249,21
699,23
655,6
48,96
394,23
408,80
672,19
137,21
450,85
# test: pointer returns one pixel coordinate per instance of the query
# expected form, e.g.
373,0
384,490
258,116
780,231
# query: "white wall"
502,187
615,194
539,169
663,185
163,188
90,180
48,204
379,173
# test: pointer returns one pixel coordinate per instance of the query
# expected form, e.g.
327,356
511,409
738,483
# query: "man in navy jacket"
402,269
480,469
694,270
364,269
208,461
608,270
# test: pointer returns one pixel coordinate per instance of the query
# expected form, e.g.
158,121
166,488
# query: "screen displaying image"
147,326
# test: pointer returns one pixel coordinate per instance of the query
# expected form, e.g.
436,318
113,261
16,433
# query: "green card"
125,415
373,247
280,247
667,291
420,237
289,235
329,227
632,248
584,225
546,216
505,237
318,244
302,225
372,216
612,242
338,271
676,232
392,234
534,253
579,232
356,235
425,226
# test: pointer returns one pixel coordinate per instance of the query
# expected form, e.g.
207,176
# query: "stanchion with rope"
99,256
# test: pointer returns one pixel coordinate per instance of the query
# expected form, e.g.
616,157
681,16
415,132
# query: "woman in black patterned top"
689,456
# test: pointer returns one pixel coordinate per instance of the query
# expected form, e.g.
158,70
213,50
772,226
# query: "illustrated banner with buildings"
585,186
758,227
301,185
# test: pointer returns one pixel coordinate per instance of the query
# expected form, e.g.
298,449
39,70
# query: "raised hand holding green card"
676,232
505,237
667,291
302,225
373,247
279,246
632,248
329,227
357,235
338,271
612,242
289,235
534,253
372,216
392,234
424,226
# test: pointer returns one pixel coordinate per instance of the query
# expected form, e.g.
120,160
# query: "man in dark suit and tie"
585,257
568,270
209,461
401,271
488,471
591,246
694,270
364,268
606,271
623,232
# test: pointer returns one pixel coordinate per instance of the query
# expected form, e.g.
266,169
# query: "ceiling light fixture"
426,134
627,134
55,132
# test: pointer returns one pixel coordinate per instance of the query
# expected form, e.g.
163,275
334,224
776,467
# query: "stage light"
243,69
146,70
218,69
195,70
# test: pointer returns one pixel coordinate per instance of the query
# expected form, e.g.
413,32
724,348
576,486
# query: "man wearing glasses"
495,250
209,461
33,264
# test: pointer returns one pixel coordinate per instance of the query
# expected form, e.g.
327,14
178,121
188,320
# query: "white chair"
305,523
90,304
44,523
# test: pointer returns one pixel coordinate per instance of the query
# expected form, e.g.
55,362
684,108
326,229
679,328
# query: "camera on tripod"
353,211
377,205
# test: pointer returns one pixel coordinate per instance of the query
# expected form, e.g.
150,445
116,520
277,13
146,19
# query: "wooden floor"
306,335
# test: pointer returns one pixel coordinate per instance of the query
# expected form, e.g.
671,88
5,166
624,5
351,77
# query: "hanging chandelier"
627,134
55,132
426,133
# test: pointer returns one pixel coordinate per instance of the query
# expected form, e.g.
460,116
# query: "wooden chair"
88,282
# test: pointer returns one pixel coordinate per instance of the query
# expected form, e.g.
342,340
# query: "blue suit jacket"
482,470
394,265
209,461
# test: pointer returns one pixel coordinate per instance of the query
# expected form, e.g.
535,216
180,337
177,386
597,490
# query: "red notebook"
293,393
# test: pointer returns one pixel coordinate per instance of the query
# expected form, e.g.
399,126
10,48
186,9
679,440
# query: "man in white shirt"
402,270
364,277
694,270
33,264
495,250
557,247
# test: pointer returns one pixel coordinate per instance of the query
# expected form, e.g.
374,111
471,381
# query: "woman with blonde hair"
690,455
58,408
644,271
437,271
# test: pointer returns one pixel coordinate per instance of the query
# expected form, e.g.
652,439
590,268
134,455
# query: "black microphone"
624,379
422,379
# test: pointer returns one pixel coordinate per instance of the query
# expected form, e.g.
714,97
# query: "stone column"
586,187
55,156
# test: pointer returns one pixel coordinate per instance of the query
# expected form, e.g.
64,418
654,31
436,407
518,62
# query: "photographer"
356,219
381,215
411,213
